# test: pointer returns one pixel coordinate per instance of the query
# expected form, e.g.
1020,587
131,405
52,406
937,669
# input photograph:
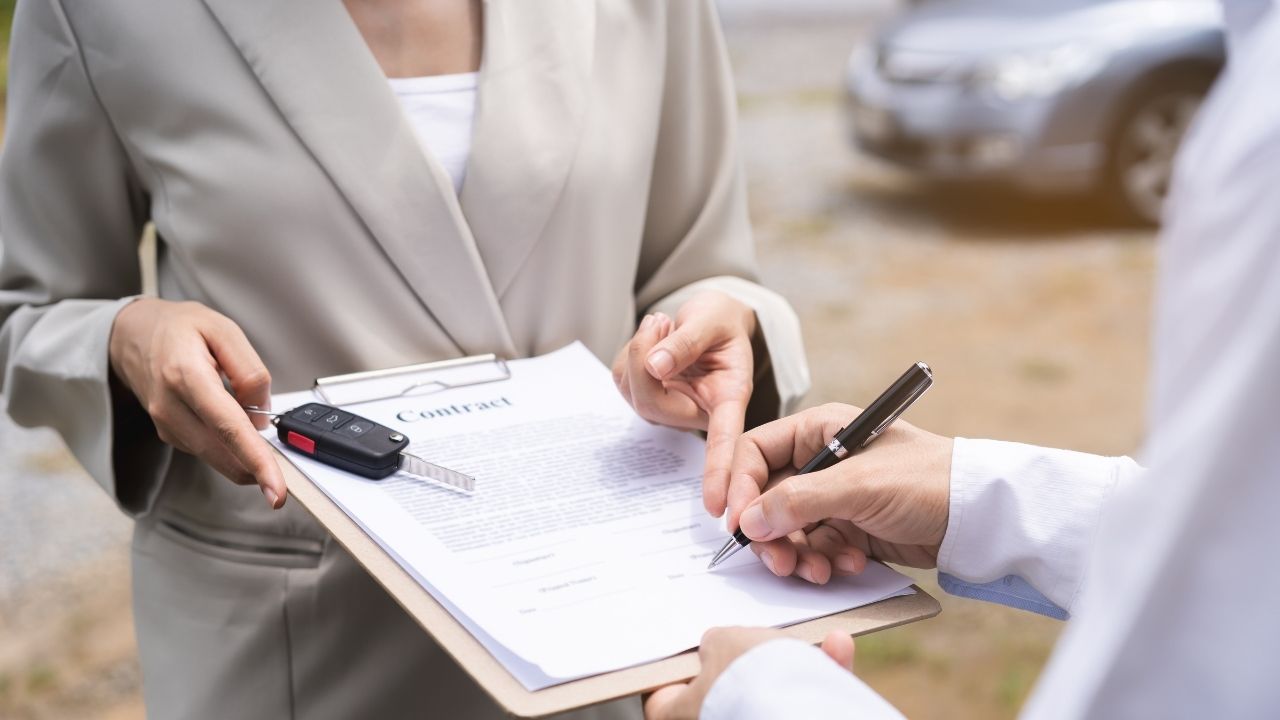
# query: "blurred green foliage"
6,21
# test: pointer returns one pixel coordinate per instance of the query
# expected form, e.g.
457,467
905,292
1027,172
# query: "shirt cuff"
790,678
1010,591
1024,512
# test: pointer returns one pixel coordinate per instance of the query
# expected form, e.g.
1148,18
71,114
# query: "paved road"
53,518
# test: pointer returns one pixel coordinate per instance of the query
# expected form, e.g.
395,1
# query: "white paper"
584,547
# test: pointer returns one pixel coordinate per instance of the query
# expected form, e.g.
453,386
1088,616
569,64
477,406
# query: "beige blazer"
289,192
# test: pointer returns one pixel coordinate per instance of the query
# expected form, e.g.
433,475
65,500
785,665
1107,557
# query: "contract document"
584,546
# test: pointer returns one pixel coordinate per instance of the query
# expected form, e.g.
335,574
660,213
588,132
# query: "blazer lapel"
532,101
313,62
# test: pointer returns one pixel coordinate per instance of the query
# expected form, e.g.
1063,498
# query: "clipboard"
456,640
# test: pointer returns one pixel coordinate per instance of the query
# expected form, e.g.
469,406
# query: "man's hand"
720,647
890,501
173,357
695,373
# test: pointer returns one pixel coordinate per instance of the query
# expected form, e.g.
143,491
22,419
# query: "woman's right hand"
173,356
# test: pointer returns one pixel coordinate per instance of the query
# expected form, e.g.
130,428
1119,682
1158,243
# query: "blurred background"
971,183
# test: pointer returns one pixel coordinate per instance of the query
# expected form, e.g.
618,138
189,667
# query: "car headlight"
1039,73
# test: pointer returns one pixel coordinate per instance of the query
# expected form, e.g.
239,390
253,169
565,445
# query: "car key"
356,444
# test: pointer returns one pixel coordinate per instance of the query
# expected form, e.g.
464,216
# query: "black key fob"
346,441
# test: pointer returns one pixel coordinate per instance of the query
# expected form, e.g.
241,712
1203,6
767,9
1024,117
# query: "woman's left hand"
695,372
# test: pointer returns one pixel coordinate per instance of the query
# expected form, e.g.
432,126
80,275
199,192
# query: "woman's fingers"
173,356
651,399
246,374
202,391
723,429
178,426
619,371
695,375
683,345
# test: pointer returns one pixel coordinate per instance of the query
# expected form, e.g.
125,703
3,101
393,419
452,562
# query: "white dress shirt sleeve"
788,678
1022,521
1179,618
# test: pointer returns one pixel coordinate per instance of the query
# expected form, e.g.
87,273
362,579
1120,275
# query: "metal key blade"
442,476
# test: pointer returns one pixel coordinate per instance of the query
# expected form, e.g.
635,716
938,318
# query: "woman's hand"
720,647
173,357
891,501
695,372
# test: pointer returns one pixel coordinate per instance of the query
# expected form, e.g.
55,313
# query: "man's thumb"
678,350
791,505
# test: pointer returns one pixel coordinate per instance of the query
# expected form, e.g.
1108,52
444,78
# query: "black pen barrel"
891,401
821,461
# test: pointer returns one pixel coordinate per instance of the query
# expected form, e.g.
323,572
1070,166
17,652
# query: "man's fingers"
788,556
839,647
220,412
779,556
779,442
811,565
750,475
756,454
845,558
668,703
796,502
817,428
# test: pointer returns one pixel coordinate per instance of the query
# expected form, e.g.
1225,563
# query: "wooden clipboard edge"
506,691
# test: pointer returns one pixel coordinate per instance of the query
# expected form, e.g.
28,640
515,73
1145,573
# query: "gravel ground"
1033,314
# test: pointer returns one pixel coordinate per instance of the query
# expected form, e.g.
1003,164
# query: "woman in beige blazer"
300,218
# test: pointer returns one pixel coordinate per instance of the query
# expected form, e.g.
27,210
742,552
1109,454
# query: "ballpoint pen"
869,425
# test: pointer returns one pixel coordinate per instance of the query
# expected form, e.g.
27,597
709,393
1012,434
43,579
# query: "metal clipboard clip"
411,380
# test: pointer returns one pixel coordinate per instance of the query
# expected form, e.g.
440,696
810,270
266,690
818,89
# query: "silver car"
1050,96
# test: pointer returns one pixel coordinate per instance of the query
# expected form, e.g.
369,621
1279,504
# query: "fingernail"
272,497
804,571
848,564
661,362
646,322
767,559
754,525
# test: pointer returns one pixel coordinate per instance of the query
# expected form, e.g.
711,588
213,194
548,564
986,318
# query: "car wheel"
1145,144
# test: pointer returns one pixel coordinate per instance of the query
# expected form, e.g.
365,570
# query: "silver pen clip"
908,402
